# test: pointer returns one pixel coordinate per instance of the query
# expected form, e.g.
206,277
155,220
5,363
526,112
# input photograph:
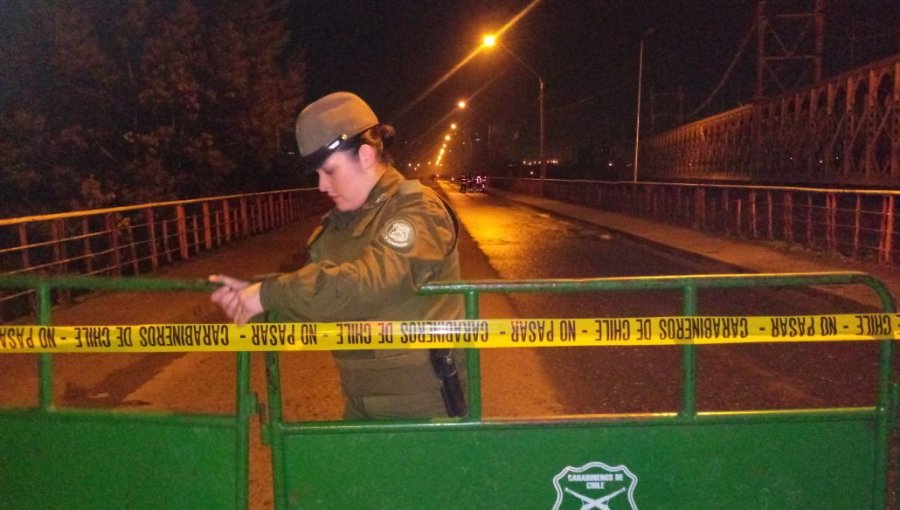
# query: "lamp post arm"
526,66
637,129
541,155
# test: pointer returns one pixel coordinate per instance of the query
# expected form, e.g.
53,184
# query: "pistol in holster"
451,387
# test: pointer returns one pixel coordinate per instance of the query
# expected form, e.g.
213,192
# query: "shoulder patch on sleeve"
399,233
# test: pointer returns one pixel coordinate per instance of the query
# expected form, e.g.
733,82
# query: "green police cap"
325,124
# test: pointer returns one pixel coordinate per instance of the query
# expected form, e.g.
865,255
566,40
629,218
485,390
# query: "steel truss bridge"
844,131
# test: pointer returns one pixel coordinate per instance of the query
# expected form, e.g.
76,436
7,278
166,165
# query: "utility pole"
637,128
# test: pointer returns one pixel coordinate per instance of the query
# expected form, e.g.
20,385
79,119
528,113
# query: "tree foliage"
108,103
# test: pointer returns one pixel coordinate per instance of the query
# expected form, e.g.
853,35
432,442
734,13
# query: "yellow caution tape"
480,334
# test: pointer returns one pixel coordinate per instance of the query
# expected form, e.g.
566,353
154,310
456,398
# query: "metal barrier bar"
45,367
473,361
689,361
273,428
245,408
194,481
297,445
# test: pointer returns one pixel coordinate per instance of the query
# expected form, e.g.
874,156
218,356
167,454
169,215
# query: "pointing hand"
239,299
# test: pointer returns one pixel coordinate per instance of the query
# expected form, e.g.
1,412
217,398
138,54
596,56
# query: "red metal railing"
138,239
857,224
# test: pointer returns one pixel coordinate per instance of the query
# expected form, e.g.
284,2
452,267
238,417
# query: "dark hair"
379,137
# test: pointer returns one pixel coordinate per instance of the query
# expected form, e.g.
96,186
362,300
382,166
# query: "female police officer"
385,237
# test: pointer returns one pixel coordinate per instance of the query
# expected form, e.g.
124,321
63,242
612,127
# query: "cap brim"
312,162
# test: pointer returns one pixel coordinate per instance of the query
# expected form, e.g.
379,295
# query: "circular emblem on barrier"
399,234
595,485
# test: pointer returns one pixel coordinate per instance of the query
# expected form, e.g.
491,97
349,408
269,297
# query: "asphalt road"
523,243
502,240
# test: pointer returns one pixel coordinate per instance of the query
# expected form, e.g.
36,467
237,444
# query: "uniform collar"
385,188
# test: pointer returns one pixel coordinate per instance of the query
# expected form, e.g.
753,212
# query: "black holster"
451,387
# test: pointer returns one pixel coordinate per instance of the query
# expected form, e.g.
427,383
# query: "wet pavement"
522,242
736,255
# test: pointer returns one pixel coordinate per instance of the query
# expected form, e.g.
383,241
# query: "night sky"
586,51
391,51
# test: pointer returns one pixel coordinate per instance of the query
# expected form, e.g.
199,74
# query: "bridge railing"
138,239
857,224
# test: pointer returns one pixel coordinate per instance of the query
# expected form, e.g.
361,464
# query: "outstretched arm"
389,269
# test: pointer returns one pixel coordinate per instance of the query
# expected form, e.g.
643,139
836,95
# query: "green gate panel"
784,466
79,460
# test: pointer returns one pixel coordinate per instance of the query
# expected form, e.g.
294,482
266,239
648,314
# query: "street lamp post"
637,129
490,40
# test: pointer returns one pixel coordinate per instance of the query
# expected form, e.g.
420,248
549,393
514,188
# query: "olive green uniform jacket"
367,265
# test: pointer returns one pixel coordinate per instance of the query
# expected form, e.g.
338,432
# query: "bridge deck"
734,255
283,249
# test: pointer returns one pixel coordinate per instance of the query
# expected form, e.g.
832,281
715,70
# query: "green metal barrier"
798,459
79,459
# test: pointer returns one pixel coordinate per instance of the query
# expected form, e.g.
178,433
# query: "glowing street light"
453,126
461,104
490,40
